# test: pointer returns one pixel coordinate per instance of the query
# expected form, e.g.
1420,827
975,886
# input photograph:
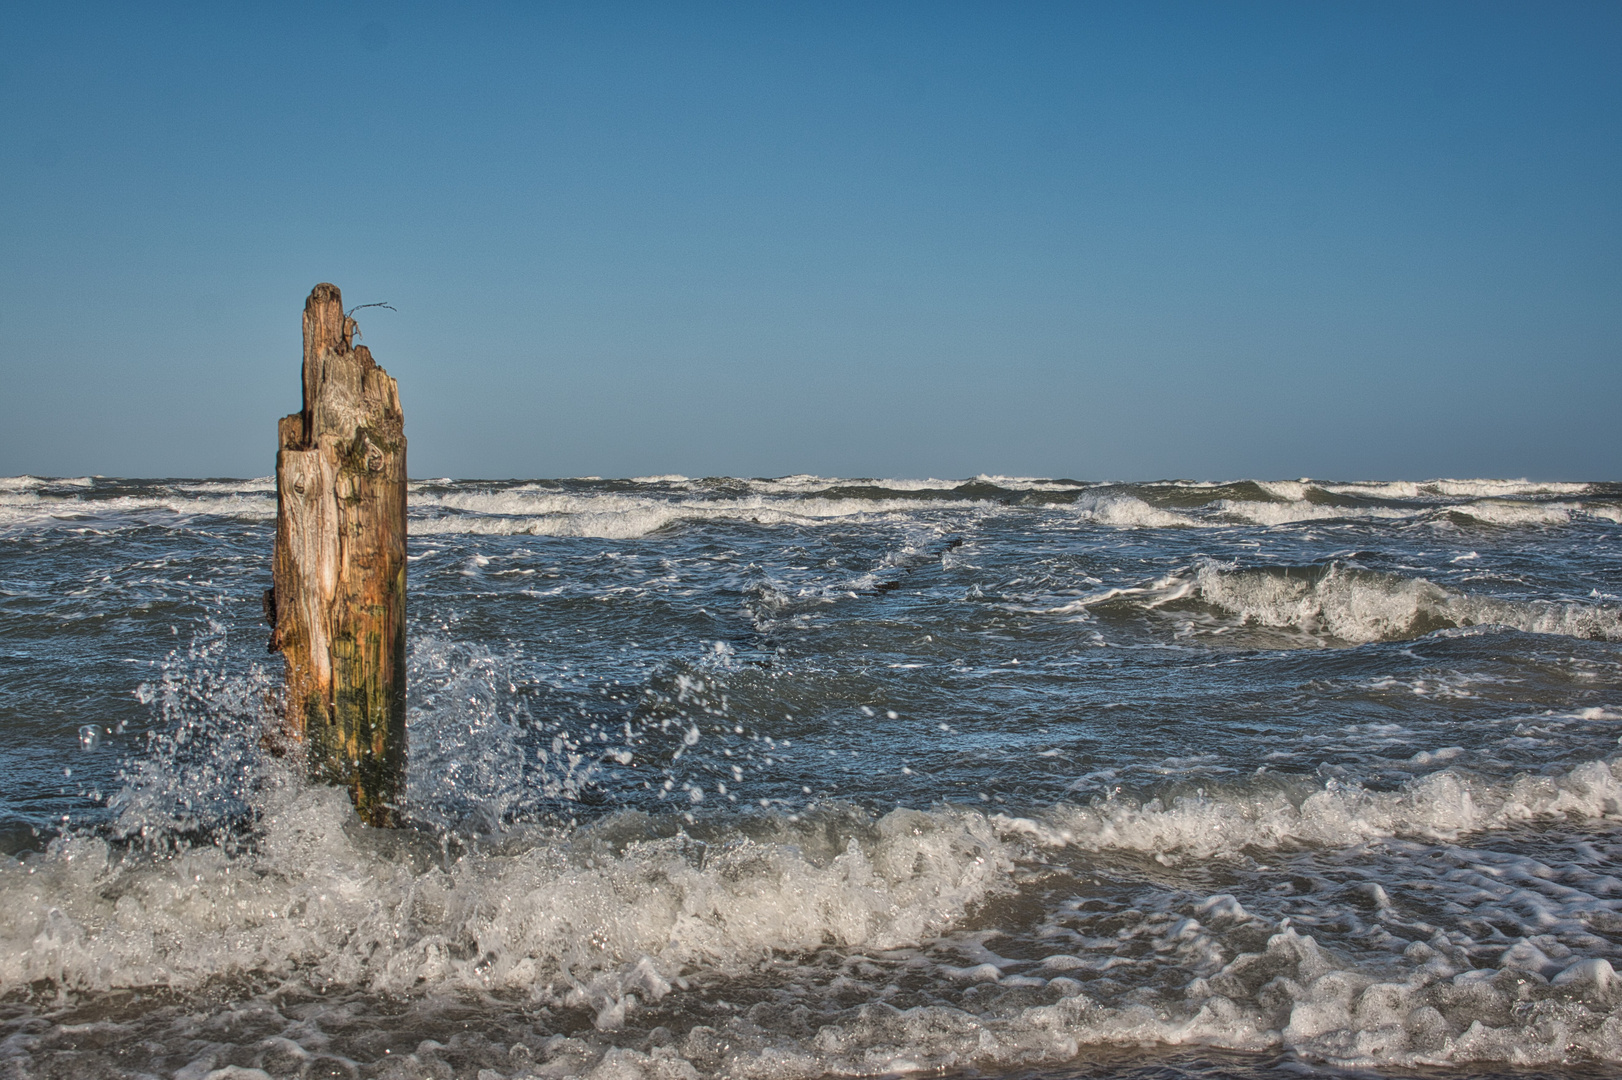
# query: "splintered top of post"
325,327
344,388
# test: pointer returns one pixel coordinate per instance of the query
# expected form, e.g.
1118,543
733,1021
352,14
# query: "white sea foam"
551,508
258,506
36,483
1286,513
1337,603
1151,595
1362,606
1287,490
214,487
1439,805
1289,995
620,516
1128,512
792,484
928,483
599,921
1431,489
586,919
1500,512
1467,914
808,482
1434,998
32,509
613,919
1029,483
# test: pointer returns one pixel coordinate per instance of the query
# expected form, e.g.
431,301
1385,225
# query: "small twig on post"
349,316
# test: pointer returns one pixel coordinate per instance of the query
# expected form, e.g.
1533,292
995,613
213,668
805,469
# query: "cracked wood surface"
338,603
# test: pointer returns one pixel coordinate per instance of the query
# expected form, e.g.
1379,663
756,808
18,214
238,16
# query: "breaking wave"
616,516
616,917
1441,805
624,509
1335,602
595,914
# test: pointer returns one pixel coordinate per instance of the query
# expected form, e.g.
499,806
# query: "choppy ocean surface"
802,777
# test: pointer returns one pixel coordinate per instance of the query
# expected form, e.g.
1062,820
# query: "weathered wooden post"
338,605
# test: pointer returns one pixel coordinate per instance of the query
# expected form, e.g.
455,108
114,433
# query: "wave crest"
1437,806
1359,606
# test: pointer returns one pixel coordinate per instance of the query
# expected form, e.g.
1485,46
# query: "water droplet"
89,737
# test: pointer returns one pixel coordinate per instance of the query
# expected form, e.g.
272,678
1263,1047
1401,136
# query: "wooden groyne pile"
338,602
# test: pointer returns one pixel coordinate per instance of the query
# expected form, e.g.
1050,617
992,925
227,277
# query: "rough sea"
816,777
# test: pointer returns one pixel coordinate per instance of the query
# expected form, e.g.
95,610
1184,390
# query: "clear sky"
1128,240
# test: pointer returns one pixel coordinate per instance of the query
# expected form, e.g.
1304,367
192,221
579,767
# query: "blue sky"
1089,240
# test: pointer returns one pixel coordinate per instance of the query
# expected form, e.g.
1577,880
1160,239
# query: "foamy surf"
1354,605
625,509
551,916
625,517
1442,805
617,921
810,775
1337,603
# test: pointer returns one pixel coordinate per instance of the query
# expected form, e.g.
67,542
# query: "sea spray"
810,775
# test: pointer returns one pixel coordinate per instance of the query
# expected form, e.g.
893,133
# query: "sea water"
806,776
